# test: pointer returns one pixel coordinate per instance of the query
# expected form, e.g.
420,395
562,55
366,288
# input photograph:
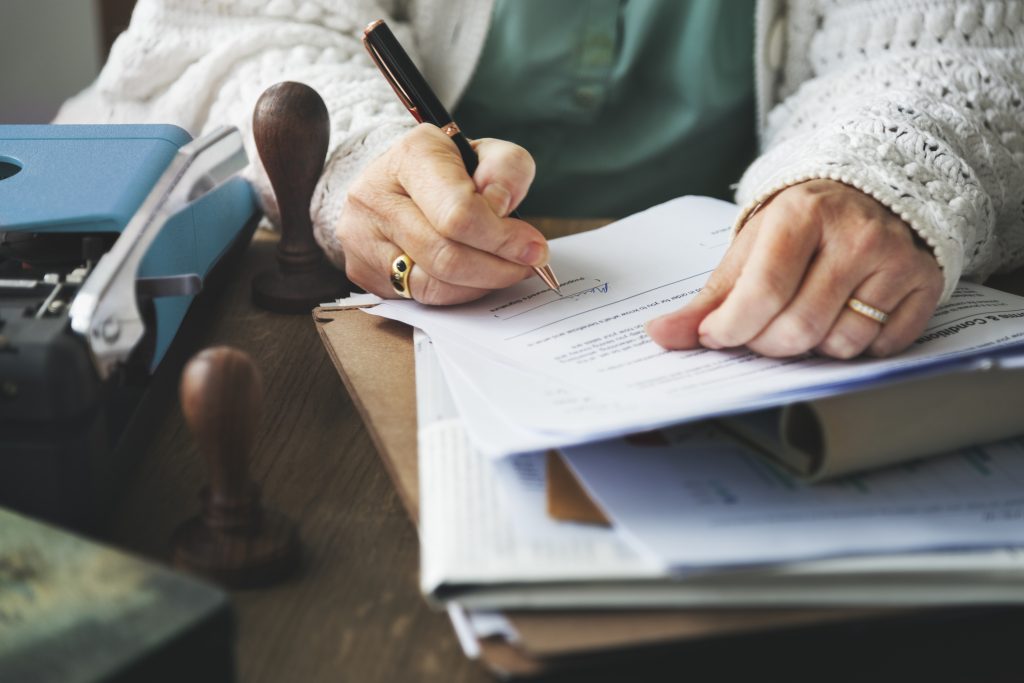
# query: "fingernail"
533,254
708,342
498,198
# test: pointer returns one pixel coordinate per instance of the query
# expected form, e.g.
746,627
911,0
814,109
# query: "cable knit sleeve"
920,106
204,63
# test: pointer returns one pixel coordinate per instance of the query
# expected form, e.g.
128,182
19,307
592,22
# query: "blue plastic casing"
93,178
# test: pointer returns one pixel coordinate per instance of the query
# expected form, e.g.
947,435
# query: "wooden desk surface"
354,613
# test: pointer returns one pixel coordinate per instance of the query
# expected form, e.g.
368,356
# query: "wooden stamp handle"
291,127
222,399
235,540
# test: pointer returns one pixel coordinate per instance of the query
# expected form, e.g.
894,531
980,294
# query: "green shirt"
622,103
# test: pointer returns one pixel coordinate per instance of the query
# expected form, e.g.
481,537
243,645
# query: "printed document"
487,543
530,369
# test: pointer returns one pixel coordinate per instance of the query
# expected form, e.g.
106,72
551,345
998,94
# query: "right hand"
417,198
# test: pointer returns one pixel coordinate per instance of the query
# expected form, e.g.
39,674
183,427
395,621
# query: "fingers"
766,285
785,291
450,261
447,271
417,199
907,289
373,275
810,320
678,330
429,290
504,175
429,170
906,323
852,332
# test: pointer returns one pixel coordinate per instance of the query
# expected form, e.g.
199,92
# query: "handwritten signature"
597,289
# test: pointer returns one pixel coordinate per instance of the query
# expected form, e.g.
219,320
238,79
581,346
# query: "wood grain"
354,611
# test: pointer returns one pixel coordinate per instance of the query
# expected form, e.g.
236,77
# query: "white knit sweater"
919,103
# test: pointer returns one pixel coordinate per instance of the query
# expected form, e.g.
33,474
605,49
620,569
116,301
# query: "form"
532,369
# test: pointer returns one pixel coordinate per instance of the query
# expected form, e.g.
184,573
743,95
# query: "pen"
412,89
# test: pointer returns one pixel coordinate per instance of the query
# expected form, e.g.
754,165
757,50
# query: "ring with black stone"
400,269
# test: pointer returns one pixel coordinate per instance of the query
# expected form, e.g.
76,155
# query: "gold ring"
400,269
867,311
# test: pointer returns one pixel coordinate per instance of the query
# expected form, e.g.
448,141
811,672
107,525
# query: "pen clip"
388,74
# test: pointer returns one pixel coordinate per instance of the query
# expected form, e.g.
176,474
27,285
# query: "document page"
577,367
480,523
694,497
487,540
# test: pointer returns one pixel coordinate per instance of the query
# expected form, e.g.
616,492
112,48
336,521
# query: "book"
896,423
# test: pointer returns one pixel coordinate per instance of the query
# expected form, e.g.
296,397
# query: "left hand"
782,287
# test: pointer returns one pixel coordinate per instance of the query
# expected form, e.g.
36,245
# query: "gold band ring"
868,311
400,269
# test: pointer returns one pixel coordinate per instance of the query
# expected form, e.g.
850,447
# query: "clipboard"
374,358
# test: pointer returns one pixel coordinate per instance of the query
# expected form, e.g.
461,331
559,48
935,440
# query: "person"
891,134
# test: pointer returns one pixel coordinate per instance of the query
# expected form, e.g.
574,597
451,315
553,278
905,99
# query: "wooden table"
354,612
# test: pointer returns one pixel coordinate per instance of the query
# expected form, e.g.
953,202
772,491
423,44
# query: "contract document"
531,369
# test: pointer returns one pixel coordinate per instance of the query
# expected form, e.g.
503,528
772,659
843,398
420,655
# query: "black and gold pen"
417,96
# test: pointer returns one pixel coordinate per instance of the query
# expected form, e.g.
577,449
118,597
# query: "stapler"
107,236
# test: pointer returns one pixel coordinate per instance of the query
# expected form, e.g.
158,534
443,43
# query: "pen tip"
548,276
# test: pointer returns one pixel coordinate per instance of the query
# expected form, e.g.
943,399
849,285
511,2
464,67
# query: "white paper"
554,371
696,498
487,543
476,527
463,630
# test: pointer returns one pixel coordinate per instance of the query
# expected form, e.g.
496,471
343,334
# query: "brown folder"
374,358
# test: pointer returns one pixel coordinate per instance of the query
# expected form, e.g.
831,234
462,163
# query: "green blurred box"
74,611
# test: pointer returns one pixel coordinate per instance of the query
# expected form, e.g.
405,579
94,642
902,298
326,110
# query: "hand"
782,287
416,198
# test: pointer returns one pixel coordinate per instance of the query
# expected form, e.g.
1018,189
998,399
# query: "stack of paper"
701,520
698,517
530,369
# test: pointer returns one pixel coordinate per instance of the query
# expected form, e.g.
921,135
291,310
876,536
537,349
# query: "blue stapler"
107,235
